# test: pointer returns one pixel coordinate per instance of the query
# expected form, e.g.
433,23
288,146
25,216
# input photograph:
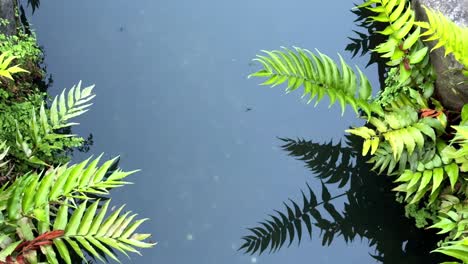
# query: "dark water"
172,96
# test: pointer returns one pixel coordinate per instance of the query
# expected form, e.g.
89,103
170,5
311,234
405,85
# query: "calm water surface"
172,96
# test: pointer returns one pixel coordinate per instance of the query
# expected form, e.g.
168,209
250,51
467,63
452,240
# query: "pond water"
173,100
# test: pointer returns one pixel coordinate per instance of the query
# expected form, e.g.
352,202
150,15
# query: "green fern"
89,229
456,249
400,47
419,182
30,206
319,75
401,129
41,129
406,129
5,59
453,38
461,139
453,221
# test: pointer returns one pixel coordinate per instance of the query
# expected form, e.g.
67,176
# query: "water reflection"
369,212
367,40
34,4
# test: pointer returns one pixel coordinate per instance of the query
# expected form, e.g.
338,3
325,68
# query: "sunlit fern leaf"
457,249
36,197
64,108
449,35
42,126
59,183
332,163
401,129
5,59
88,229
282,227
319,75
400,47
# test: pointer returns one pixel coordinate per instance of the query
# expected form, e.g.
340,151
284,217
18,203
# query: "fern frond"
41,135
60,183
401,129
87,228
384,159
456,249
319,75
275,232
63,109
452,221
400,47
447,34
5,59
418,182
452,217
30,202
461,154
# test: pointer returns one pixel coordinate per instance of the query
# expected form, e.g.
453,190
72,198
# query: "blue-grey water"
172,95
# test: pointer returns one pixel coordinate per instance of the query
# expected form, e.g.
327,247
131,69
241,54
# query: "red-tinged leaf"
43,243
51,235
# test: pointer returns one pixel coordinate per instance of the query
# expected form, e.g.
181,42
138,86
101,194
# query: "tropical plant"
51,211
56,212
67,201
408,132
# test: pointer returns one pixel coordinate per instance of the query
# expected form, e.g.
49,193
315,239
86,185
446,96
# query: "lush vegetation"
52,211
409,135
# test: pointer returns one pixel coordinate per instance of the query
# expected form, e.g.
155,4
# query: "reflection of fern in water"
331,163
370,211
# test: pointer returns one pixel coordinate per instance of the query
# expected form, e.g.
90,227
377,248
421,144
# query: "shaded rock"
451,85
7,12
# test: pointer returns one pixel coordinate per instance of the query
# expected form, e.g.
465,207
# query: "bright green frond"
449,35
5,59
402,47
64,108
60,183
88,229
319,75
42,126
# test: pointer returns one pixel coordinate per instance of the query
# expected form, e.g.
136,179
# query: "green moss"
422,215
